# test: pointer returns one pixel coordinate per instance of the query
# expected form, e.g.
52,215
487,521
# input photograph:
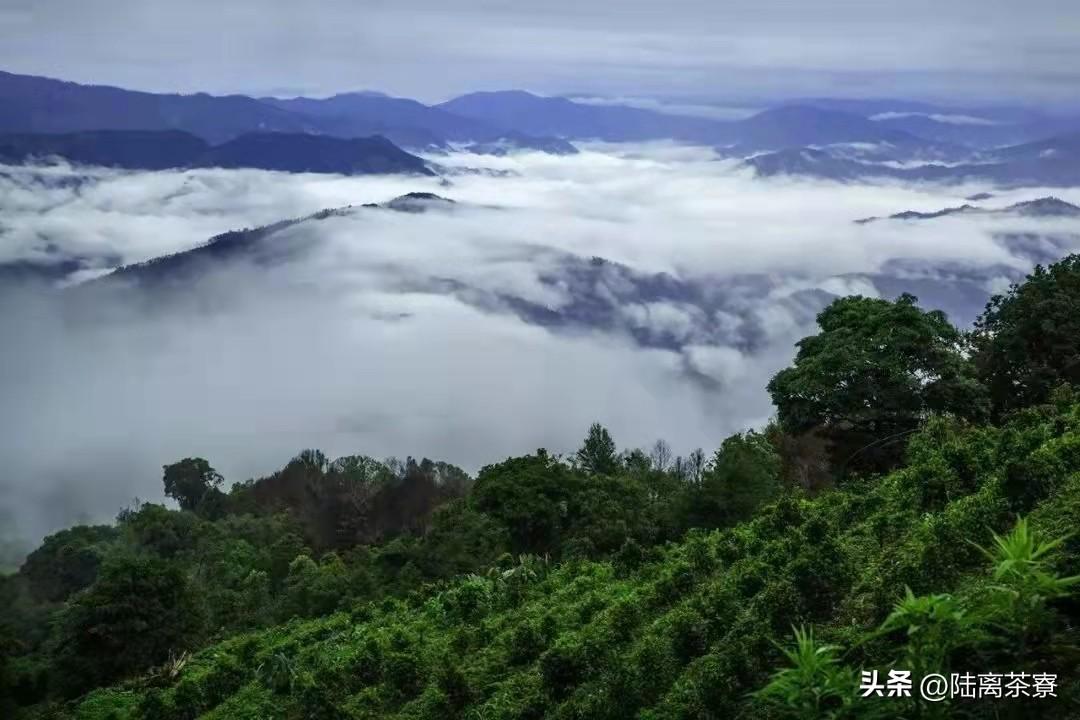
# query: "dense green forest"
912,506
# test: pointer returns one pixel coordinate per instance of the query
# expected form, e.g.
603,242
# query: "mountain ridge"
1051,162
36,104
176,149
1043,207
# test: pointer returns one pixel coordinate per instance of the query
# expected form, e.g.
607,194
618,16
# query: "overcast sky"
960,50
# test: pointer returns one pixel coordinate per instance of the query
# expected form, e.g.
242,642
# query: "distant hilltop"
1044,207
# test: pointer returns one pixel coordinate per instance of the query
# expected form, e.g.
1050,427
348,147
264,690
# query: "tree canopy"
1028,339
598,455
190,481
876,369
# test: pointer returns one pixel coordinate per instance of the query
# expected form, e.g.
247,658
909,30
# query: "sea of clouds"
390,333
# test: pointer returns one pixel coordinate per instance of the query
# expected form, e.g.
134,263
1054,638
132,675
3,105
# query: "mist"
389,333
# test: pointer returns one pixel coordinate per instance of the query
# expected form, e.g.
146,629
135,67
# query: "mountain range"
44,105
1044,207
174,149
826,138
1051,162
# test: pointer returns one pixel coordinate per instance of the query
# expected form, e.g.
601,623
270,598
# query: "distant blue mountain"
415,125
1054,162
808,162
1044,207
558,116
159,150
134,149
503,121
313,153
981,136
42,105
774,129
512,141
361,114
801,125
977,127
1006,114
1061,148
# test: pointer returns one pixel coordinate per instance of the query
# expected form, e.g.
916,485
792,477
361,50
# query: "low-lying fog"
404,334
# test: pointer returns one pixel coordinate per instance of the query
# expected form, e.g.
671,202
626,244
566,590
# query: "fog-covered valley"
652,287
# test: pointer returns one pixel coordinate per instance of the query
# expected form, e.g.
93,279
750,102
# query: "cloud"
949,119
988,49
711,111
467,335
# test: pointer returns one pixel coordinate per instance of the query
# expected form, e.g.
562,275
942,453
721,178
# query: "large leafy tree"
67,561
162,531
140,609
1028,340
190,481
743,475
872,373
530,496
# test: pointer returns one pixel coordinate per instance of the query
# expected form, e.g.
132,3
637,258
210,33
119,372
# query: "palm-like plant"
1025,582
935,625
815,685
1022,566
278,673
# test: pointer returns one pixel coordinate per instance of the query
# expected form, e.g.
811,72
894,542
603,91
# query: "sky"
358,346
952,51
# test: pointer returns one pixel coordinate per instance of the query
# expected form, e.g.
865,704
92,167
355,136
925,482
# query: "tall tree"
872,373
190,481
1028,340
531,497
744,474
660,455
598,456
696,465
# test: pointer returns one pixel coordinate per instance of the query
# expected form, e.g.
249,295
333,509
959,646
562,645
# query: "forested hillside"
913,506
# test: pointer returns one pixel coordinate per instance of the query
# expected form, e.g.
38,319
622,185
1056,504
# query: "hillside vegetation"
913,506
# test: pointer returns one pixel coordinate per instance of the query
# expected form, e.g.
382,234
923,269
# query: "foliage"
140,610
814,685
873,373
67,561
743,475
687,629
190,481
934,629
598,456
528,495
1028,339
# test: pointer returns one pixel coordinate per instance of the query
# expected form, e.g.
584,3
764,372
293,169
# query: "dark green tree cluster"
929,567
1027,343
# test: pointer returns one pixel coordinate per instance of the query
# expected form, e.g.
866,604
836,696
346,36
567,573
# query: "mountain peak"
414,202
1045,207
363,93
502,94
1039,207
172,149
